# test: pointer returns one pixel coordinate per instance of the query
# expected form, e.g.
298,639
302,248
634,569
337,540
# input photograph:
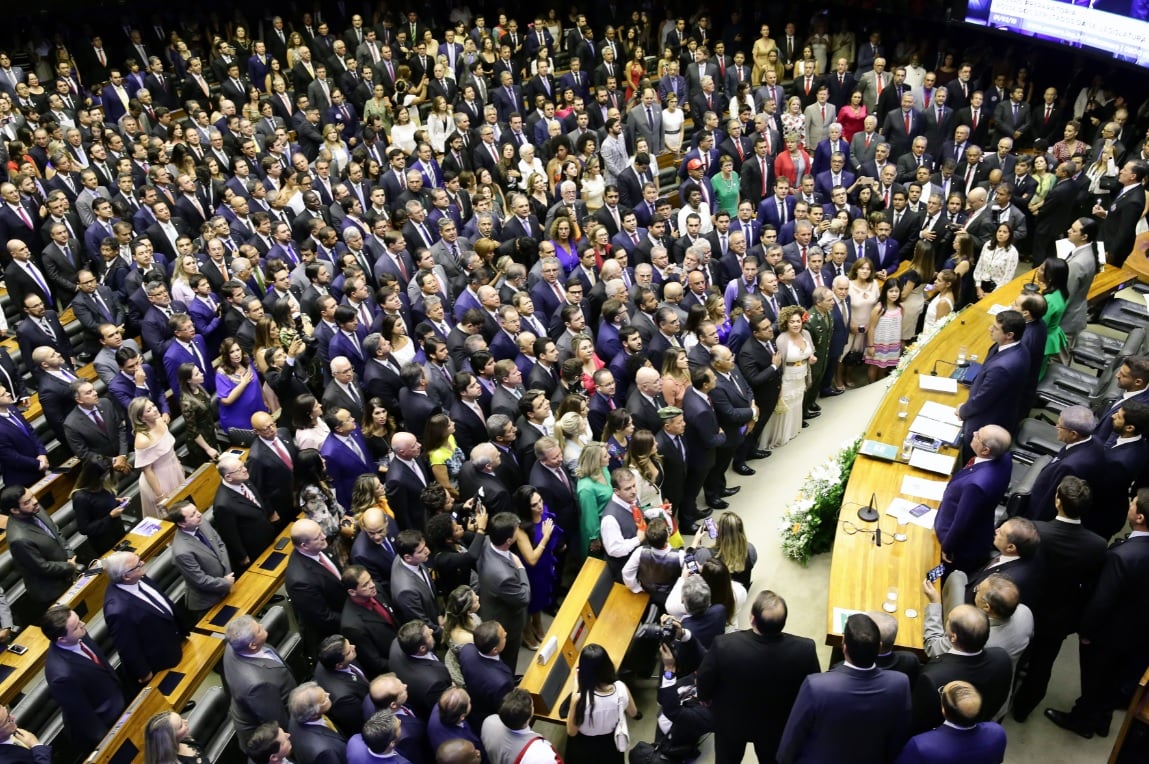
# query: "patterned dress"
887,347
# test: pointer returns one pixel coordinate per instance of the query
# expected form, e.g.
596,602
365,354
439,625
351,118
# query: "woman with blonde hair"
915,281
593,492
167,741
155,457
731,546
368,492
572,431
675,376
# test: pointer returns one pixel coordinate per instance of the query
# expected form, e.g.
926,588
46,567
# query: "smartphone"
17,649
690,562
935,573
711,528
919,510
281,544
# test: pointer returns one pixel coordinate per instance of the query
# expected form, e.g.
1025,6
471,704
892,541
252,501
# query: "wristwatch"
668,675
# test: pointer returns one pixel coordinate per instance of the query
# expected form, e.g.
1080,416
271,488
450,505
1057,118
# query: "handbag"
621,730
853,358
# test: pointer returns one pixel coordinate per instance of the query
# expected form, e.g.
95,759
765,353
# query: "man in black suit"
645,399
555,486
488,678
412,592
761,366
95,427
338,672
751,679
23,277
675,457
313,583
374,547
734,406
94,305
367,621
45,561
1017,543
80,678
42,328
1119,221
62,257
425,679
245,521
271,461
1111,660
1072,557
1082,456
406,479
312,740
1054,211
703,438
988,669
145,624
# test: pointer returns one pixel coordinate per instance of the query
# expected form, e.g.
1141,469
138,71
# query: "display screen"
1119,28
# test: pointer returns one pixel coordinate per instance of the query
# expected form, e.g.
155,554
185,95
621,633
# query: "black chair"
211,728
1124,315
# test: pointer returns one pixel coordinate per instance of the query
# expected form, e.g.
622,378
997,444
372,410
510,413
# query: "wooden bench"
17,670
168,691
1137,713
596,610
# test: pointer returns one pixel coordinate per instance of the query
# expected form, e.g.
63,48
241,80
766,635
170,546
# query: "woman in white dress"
998,262
310,429
596,708
797,349
403,131
593,185
672,118
439,124
943,302
155,456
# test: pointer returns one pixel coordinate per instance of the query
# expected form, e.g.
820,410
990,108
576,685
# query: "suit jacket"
964,524
259,687
504,593
488,682
244,526
417,409
403,487
90,314
426,679
316,594
381,380
377,558
272,478
1027,574
371,634
85,437
317,744
732,405
1086,461
148,639
558,496
88,693
347,690
983,742
990,671
847,713
41,557
1118,229
123,390
20,285
21,447
203,567
772,670
412,597
344,466
702,433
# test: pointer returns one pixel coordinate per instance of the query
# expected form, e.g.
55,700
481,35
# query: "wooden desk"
595,610
199,488
24,667
253,589
125,741
861,574
87,594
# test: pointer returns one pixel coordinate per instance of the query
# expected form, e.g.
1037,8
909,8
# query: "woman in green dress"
1055,276
726,186
594,492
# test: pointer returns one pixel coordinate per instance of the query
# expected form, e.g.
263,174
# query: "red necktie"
803,256
975,120
969,463
282,452
1048,111
823,115
91,655
329,565
907,119
375,606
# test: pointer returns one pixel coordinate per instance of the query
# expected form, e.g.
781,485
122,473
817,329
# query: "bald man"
271,464
964,524
374,547
406,479
314,584
645,400
457,751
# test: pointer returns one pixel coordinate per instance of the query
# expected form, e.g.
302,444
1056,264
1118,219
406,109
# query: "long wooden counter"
863,574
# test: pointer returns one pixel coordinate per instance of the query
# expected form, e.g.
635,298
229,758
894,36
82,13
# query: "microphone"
934,370
867,513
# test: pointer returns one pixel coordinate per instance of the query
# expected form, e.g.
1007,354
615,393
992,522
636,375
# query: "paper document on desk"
900,509
931,428
939,412
993,310
942,464
937,384
840,616
149,526
922,488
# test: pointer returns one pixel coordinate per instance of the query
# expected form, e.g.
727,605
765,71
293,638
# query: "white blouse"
995,264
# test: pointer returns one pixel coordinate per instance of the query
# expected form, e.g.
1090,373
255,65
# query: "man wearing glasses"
145,627
20,745
244,520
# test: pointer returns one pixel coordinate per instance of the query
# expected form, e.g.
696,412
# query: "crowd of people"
473,333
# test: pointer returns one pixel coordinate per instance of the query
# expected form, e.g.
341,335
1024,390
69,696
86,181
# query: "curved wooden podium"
861,573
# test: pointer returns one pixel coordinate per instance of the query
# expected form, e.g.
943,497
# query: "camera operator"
682,720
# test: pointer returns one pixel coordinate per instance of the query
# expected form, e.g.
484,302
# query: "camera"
667,632
307,341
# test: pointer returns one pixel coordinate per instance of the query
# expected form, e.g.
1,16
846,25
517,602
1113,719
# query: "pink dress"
166,466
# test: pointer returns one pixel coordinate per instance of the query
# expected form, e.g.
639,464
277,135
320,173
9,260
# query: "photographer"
682,720
455,541
654,567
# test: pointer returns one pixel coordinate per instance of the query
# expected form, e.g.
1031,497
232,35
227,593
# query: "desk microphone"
934,370
867,513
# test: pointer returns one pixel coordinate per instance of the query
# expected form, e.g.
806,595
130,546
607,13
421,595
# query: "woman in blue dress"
538,541
238,386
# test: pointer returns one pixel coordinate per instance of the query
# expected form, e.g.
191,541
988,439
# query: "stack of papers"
900,509
922,488
937,384
931,462
939,412
931,428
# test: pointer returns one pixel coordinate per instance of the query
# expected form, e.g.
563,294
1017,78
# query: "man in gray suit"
864,144
646,120
257,677
412,593
873,83
47,564
1082,268
504,590
201,557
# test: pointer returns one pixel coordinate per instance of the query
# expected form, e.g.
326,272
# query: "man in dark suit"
1071,557
367,620
488,678
258,680
95,426
964,524
374,547
312,740
734,406
201,557
23,277
997,393
1110,660
675,457
703,438
1082,456
338,671
245,522
93,305
854,709
80,678
504,590
961,737
554,485
1119,221
271,461
761,366
987,668
1054,211
406,480
751,679
25,458
46,563
1015,557
145,626
412,593
313,583
425,679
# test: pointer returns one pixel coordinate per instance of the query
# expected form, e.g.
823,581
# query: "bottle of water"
907,447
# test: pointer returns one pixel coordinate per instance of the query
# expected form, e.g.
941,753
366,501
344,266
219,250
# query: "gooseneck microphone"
868,513
934,370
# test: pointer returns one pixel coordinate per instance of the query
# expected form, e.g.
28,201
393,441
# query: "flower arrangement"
923,339
809,522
